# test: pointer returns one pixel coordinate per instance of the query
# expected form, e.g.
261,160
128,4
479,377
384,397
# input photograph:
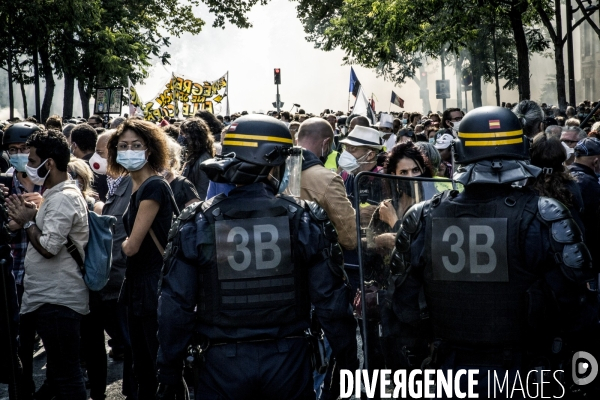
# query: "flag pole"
227,96
348,102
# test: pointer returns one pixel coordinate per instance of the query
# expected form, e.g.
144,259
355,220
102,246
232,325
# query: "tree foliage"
100,42
394,37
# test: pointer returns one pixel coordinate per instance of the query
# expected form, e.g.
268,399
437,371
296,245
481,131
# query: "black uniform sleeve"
329,295
176,307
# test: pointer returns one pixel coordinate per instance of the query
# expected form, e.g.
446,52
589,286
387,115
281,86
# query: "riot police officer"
505,274
241,274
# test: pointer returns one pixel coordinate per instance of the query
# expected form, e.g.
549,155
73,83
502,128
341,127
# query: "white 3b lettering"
474,249
259,247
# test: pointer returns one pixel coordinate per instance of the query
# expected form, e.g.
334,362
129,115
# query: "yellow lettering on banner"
196,89
198,99
207,92
134,98
187,86
183,97
161,100
147,109
178,84
156,114
170,109
185,110
221,83
208,106
218,98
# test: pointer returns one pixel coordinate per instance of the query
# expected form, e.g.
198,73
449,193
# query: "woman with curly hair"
140,149
548,153
407,160
200,148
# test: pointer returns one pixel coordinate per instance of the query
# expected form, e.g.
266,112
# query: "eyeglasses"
133,146
15,150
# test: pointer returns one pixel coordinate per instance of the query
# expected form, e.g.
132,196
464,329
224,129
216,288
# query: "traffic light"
277,72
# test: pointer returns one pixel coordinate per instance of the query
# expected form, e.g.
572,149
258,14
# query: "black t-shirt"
183,191
149,258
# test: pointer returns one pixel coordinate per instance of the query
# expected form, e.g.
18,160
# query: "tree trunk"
85,99
11,97
24,96
516,22
458,72
561,89
36,81
496,70
68,95
49,78
559,59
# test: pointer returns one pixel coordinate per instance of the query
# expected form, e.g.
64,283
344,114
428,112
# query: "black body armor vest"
255,278
475,278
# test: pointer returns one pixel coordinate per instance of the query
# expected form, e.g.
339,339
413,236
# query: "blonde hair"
79,168
174,155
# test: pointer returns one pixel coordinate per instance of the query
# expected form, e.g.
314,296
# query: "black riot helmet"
489,133
18,133
252,146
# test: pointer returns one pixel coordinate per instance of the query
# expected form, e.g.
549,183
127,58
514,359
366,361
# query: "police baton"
11,353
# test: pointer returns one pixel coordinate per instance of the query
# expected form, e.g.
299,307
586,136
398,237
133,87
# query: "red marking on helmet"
494,124
232,127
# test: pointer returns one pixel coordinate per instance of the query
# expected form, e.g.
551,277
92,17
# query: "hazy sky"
312,78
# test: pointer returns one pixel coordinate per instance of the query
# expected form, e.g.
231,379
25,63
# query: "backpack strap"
72,249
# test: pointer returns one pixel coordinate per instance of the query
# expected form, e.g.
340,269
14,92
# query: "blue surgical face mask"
432,140
132,160
19,161
404,121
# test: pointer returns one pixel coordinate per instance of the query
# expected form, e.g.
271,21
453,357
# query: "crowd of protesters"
143,173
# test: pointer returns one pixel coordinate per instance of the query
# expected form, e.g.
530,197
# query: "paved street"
39,373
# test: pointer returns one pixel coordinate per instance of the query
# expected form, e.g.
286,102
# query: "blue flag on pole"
354,82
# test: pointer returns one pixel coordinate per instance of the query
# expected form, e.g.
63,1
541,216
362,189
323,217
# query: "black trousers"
278,369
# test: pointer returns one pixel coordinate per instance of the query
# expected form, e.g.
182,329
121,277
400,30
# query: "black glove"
176,391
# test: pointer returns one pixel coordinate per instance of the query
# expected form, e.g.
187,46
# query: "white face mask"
568,150
98,164
33,174
349,163
455,126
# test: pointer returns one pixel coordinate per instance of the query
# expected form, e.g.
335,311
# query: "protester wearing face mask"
140,148
55,297
585,170
451,121
81,173
443,144
19,183
361,148
321,185
569,137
